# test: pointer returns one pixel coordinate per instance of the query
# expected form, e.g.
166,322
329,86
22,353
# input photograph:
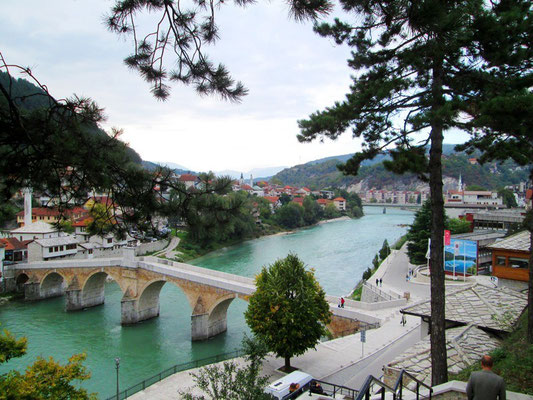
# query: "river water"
338,251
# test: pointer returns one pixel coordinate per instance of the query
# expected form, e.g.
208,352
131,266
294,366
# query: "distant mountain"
323,173
30,97
257,173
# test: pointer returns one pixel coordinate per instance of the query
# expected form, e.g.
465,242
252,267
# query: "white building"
35,230
55,247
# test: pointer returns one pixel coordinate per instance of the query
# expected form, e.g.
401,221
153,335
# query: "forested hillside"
29,97
323,173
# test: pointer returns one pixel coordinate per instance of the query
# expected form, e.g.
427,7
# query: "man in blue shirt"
485,384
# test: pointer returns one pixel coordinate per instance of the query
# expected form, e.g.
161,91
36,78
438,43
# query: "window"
109,240
50,249
518,262
60,248
56,248
500,261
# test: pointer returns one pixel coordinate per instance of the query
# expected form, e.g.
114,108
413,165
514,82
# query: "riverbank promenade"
344,361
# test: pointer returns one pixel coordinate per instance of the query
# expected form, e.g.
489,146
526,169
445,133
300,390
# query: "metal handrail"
172,370
364,392
399,384
397,390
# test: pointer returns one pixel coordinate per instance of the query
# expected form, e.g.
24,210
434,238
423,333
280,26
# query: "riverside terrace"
140,279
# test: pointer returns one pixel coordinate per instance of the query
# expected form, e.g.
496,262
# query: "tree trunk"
529,226
439,362
530,286
287,364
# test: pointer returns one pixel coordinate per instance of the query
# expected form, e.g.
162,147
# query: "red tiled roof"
323,201
187,178
14,243
246,187
272,199
339,199
84,221
529,194
53,212
298,200
306,189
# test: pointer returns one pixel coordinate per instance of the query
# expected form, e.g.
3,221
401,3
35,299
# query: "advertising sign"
460,257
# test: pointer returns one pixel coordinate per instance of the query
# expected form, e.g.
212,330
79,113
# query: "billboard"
460,257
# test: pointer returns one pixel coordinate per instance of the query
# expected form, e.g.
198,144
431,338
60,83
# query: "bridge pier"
131,314
92,294
51,286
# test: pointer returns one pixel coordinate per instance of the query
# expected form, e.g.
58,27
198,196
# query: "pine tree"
420,68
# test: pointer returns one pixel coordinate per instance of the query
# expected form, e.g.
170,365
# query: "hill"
324,173
30,97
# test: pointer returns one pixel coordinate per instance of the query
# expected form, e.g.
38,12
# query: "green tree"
330,211
385,250
456,226
475,187
44,379
312,211
508,198
288,311
424,67
290,216
231,381
418,235
285,199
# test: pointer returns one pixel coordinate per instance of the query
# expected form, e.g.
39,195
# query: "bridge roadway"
209,292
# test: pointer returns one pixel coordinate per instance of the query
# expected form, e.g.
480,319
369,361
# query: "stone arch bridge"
209,292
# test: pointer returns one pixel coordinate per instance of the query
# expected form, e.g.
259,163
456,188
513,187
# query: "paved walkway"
342,361
336,361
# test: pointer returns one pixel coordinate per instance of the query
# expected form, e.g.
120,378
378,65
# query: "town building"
35,230
340,203
510,257
14,249
51,248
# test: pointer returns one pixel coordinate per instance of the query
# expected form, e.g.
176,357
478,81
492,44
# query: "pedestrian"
407,278
403,321
380,281
377,282
342,302
485,384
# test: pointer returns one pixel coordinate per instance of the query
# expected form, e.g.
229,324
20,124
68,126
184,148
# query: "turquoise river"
338,251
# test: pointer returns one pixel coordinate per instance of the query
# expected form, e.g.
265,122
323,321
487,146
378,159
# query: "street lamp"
117,364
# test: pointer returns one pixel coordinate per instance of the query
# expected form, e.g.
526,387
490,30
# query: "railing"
397,391
382,293
325,388
172,370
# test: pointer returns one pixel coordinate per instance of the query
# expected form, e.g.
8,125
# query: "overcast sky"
289,70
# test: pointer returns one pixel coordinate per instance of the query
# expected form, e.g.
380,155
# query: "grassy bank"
513,361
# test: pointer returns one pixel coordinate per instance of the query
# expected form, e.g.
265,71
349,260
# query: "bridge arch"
52,285
148,305
21,279
218,321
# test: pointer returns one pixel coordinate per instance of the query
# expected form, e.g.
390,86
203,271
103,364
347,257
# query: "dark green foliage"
494,175
285,199
290,216
508,198
456,226
368,272
312,211
418,235
330,211
475,187
385,250
288,311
